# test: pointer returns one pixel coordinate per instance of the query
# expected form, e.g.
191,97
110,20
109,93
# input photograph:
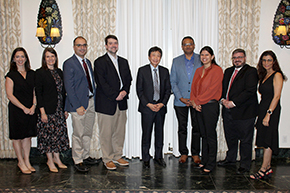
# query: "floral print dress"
52,136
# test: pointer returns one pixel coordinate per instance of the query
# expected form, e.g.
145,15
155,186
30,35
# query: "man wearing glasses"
240,105
80,87
182,72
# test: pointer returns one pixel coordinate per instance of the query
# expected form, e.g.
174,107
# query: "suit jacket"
108,84
145,90
243,92
76,84
180,84
45,90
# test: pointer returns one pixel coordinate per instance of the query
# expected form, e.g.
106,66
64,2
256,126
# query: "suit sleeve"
140,88
69,83
126,77
250,89
173,81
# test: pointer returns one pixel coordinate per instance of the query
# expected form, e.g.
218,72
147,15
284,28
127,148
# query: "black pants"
148,120
207,121
182,118
235,131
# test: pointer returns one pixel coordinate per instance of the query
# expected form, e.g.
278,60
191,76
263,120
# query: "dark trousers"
207,121
148,119
182,118
235,131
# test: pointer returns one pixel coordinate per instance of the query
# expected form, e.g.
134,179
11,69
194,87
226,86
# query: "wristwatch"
269,112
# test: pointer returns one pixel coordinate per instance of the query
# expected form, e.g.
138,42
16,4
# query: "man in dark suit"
113,78
153,90
240,105
80,88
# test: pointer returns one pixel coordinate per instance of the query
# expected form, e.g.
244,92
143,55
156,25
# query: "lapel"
111,65
78,64
242,71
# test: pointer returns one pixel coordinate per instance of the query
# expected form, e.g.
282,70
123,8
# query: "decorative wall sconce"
49,28
280,32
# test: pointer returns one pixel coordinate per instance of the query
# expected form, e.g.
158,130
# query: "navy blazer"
243,92
181,85
45,90
76,84
145,89
108,84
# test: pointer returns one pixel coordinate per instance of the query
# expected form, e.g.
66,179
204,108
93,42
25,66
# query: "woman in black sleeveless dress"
270,86
19,87
52,137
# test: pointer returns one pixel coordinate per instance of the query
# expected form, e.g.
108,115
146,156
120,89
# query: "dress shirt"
115,62
152,72
81,63
208,87
189,66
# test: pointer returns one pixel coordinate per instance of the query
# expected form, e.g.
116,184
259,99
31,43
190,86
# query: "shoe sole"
114,168
116,162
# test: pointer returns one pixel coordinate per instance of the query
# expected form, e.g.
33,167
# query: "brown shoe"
110,165
196,159
183,159
121,162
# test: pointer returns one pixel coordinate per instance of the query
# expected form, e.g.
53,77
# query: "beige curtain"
10,38
239,25
94,20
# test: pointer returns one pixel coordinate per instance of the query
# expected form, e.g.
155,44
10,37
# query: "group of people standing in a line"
40,101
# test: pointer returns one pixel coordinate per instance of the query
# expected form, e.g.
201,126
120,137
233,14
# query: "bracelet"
34,104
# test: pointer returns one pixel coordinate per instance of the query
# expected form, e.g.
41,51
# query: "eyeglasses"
188,44
269,60
239,57
81,45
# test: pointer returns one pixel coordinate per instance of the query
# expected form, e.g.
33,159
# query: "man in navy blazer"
152,104
113,78
182,72
240,108
80,102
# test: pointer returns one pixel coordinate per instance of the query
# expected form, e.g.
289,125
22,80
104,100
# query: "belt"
91,96
212,101
154,101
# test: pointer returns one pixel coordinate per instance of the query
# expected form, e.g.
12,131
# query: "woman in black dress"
270,86
52,135
19,87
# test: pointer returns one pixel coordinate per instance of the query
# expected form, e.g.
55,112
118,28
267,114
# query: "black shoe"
146,164
226,163
242,170
91,161
160,162
81,167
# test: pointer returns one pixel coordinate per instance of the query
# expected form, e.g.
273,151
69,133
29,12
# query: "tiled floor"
174,177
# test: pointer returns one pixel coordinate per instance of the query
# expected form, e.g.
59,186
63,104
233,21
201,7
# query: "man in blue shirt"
182,72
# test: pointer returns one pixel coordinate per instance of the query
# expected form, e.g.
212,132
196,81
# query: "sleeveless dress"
21,125
268,136
52,136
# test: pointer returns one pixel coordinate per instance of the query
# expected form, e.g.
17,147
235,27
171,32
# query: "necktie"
88,76
232,80
156,86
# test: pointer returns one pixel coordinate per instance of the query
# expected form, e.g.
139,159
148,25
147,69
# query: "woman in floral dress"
52,135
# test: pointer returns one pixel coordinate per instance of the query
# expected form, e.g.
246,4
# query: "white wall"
29,12
266,43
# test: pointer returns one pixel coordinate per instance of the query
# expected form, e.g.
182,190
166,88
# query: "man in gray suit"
80,87
182,72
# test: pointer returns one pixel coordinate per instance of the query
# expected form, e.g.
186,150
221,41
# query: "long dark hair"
262,71
43,63
210,51
13,66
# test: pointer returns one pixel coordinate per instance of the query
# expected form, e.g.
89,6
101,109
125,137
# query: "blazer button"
189,91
